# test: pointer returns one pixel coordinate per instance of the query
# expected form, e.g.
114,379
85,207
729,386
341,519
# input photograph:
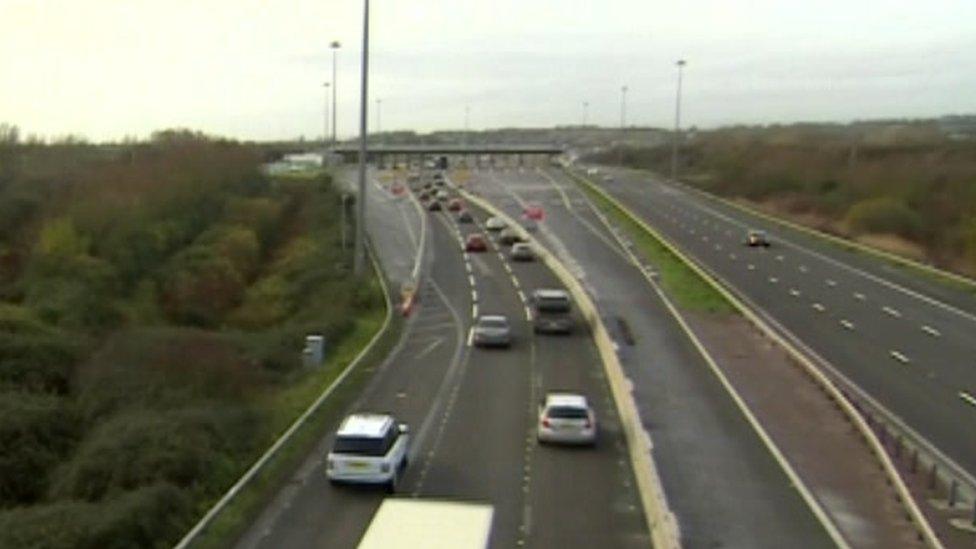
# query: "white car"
566,418
495,224
369,449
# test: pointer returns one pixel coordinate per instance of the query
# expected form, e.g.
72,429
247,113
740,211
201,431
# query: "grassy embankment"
153,301
903,188
677,280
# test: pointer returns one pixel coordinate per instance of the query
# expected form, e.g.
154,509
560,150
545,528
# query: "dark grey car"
551,314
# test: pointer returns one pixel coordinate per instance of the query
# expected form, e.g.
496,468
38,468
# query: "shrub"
150,517
185,448
883,215
200,286
72,291
35,433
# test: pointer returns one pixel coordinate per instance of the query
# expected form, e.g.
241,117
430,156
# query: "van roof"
551,293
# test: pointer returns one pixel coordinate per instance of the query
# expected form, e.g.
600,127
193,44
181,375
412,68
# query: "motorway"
721,481
472,411
903,338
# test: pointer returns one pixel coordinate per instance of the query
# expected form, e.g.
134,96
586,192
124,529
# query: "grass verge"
681,283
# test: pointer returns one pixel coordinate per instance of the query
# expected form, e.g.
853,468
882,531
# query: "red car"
455,205
475,243
534,212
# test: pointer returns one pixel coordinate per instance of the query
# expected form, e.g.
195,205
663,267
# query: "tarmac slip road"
722,483
905,340
472,413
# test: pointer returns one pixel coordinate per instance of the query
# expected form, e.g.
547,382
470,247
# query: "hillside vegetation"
153,301
901,186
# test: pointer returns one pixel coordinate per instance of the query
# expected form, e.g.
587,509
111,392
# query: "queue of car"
374,448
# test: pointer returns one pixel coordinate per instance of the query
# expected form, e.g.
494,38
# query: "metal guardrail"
789,342
660,519
194,533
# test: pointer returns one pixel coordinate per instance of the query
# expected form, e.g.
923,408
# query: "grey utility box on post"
314,353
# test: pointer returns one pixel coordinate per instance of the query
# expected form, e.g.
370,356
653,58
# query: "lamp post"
335,47
623,107
325,129
359,254
677,124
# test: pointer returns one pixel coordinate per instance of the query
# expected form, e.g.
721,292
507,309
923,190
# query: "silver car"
491,331
521,251
566,418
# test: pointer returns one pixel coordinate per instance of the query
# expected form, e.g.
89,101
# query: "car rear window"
567,412
494,323
552,304
363,446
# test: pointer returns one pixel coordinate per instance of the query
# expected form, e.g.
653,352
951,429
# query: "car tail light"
545,422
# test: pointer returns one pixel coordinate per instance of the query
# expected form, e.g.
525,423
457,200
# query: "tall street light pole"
677,124
325,129
359,254
335,47
623,107
379,105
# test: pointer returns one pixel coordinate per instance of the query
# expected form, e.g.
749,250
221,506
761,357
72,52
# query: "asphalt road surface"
722,483
472,413
903,338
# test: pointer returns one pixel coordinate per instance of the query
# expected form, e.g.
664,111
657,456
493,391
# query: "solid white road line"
847,324
893,312
899,357
931,331
967,398
819,307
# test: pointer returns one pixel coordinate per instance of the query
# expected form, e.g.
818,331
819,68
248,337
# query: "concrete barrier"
904,496
661,521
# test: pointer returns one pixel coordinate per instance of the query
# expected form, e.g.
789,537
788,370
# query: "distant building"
958,126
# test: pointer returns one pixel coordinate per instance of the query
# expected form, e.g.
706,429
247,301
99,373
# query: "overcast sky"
255,68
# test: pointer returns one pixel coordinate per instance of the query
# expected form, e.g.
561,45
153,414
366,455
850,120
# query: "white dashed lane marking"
893,312
931,331
831,283
803,268
819,307
847,324
773,280
859,296
967,398
794,292
899,357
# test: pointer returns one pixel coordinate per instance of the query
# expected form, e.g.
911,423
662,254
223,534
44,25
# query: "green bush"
200,286
36,432
149,517
72,291
164,368
184,447
40,362
883,215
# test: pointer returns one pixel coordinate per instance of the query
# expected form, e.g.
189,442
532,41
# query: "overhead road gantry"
472,153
